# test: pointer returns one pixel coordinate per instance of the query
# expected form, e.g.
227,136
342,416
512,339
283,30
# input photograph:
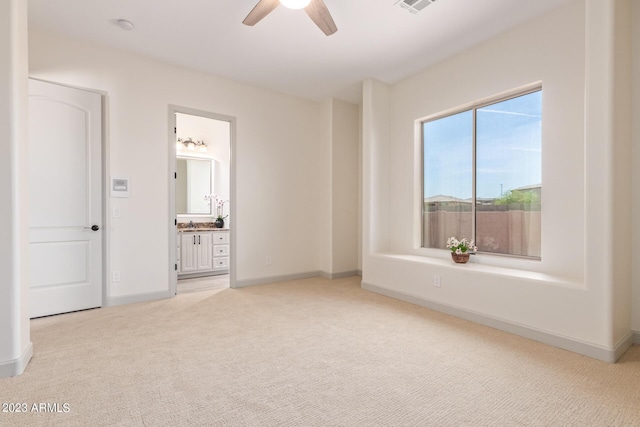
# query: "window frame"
473,107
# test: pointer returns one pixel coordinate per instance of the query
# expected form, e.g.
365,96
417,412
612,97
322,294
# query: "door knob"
93,227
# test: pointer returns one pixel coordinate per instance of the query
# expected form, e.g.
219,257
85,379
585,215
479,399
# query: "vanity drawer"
220,250
221,263
220,238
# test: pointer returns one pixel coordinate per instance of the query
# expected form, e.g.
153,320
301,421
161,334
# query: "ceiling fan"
316,9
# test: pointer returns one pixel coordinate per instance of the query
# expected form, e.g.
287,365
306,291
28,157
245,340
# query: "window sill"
472,266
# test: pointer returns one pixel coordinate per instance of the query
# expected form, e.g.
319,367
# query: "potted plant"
461,249
219,205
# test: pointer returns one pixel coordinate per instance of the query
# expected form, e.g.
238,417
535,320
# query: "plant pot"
219,223
460,258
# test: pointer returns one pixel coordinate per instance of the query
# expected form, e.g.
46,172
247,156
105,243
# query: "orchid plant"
219,203
461,246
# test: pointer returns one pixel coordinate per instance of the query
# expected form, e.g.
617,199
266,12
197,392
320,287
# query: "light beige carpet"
311,352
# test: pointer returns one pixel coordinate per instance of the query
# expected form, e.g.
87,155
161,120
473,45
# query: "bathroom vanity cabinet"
201,252
196,252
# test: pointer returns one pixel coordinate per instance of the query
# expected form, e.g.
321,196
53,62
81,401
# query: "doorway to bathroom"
202,190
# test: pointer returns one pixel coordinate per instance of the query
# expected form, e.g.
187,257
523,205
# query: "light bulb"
295,4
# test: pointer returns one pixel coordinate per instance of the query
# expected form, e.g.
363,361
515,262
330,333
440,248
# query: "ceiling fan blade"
319,14
262,9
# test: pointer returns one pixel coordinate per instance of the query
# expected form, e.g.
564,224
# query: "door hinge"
175,222
175,175
176,267
175,130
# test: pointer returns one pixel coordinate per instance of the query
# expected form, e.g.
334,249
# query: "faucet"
191,224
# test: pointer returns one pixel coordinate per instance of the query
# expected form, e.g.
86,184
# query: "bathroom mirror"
193,182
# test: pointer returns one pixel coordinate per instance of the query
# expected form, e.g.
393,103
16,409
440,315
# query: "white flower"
463,246
216,200
452,242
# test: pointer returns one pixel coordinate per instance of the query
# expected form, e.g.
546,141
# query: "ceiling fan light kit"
295,4
316,9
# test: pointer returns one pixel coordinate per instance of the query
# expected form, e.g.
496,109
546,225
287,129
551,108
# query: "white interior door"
65,160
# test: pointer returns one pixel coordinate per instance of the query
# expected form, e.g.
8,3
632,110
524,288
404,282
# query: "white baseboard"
274,279
203,274
342,275
130,299
297,276
13,368
621,347
594,351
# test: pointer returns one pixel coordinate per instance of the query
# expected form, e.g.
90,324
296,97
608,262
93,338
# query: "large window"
483,176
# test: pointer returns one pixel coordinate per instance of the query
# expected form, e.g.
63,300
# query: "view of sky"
508,153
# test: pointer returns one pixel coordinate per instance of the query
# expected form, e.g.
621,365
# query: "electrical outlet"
115,276
436,281
267,261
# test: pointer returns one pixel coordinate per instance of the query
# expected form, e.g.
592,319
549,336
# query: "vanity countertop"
187,230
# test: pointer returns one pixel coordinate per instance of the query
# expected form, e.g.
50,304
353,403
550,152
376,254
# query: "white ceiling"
286,52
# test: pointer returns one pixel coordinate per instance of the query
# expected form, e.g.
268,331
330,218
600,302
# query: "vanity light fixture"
295,4
191,145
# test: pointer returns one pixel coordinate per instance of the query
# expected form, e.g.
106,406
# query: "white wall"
360,194
345,171
621,135
572,293
277,147
636,162
339,201
324,197
376,212
15,345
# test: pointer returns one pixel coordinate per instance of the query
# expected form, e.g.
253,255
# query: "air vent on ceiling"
414,6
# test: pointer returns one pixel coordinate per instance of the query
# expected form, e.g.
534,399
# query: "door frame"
173,218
